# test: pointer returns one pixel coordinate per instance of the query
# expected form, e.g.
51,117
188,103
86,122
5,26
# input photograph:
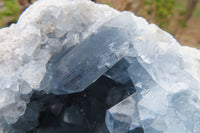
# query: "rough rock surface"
66,62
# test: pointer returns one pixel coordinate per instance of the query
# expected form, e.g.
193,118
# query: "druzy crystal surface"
79,67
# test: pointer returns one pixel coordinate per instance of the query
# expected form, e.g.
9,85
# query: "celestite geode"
79,67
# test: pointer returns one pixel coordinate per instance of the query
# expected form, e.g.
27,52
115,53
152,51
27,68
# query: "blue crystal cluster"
79,67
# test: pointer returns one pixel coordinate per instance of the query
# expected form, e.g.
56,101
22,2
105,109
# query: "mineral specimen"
79,67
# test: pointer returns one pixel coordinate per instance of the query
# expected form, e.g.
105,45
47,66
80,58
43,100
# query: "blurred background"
179,17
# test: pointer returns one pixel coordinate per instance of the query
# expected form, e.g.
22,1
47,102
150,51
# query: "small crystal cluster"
80,67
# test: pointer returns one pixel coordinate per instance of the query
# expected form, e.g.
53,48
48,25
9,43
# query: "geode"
79,67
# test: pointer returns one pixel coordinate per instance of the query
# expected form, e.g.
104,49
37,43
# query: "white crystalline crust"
48,26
